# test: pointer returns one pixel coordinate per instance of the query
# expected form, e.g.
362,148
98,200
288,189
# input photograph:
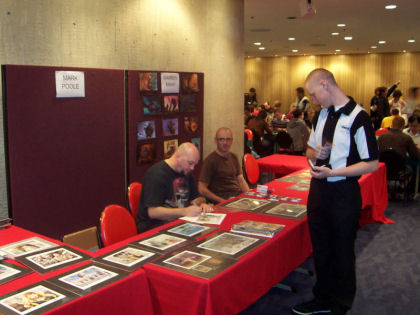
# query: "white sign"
70,83
169,82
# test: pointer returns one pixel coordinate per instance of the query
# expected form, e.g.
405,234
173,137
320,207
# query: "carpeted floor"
388,270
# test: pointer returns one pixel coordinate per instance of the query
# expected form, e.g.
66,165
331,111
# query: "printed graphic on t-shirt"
181,193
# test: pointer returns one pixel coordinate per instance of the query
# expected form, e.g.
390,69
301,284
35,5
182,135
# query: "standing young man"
343,147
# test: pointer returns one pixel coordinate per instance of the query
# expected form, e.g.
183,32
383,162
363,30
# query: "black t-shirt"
163,187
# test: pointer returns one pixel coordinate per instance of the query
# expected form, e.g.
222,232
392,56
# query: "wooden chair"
117,224
251,169
134,192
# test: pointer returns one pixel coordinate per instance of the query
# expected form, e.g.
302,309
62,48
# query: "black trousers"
333,215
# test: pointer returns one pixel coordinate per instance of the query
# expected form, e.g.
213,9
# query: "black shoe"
312,307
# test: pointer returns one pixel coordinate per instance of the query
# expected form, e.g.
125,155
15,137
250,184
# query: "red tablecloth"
130,295
373,186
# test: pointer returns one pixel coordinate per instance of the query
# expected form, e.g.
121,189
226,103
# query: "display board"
164,109
65,156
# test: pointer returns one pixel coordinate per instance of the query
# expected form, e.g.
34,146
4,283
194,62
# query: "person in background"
302,102
298,131
221,174
170,191
289,114
387,121
413,129
413,99
397,101
342,146
263,142
248,114
251,97
380,108
270,112
278,123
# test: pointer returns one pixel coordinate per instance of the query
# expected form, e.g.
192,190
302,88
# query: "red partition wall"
136,114
65,156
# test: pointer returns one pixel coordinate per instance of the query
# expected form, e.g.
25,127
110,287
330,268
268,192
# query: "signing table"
126,296
373,186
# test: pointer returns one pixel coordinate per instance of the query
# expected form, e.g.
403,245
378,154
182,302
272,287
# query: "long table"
130,295
373,186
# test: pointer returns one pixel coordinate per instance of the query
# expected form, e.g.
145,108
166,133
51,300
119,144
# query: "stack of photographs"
257,228
9,272
248,204
128,258
206,218
35,299
88,278
196,263
26,246
162,243
51,259
189,230
288,210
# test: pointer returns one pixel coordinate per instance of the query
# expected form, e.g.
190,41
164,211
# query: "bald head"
223,129
185,158
187,149
398,123
320,74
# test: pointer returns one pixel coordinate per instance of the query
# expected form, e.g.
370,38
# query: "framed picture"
52,259
191,124
197,143
190,230
299,187
26,246
187,103
170,127
148,81
88,278
288,210
186,259
146,130
152,104
230,244
206,218
169,148
169,82
162,242
128,258
9,272
146,153
189,82
170,104
35,299
248,204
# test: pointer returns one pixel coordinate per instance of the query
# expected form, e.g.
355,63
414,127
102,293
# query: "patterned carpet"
388,270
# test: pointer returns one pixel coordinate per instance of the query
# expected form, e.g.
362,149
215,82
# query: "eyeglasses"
224,139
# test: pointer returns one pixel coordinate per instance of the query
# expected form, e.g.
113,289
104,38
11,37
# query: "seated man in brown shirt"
221,174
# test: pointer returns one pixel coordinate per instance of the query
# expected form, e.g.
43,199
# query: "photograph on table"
191,124
190,230
288,210
35,299
206,218
146,130
189,82
148,81
128,258
187,103
51,259
162,242
169,82
169,148
146,153
9,272
170,104
152,104
299,187
88,278
196,262
26,246
294,179
248,204
170,127
197,143
257,228
230,243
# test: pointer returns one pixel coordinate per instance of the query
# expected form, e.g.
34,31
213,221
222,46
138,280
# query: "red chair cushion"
248,133
381,131
117,224
134,191
251,168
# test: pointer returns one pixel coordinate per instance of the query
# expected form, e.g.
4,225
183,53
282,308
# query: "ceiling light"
335,34
338,50
341,25
261,48
291,38
381,42
404,51
295,50
391,6
257,44
411,40
348,38
373,47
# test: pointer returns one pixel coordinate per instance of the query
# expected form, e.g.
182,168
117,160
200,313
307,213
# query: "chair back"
117,224
134,191
252,170
395,163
